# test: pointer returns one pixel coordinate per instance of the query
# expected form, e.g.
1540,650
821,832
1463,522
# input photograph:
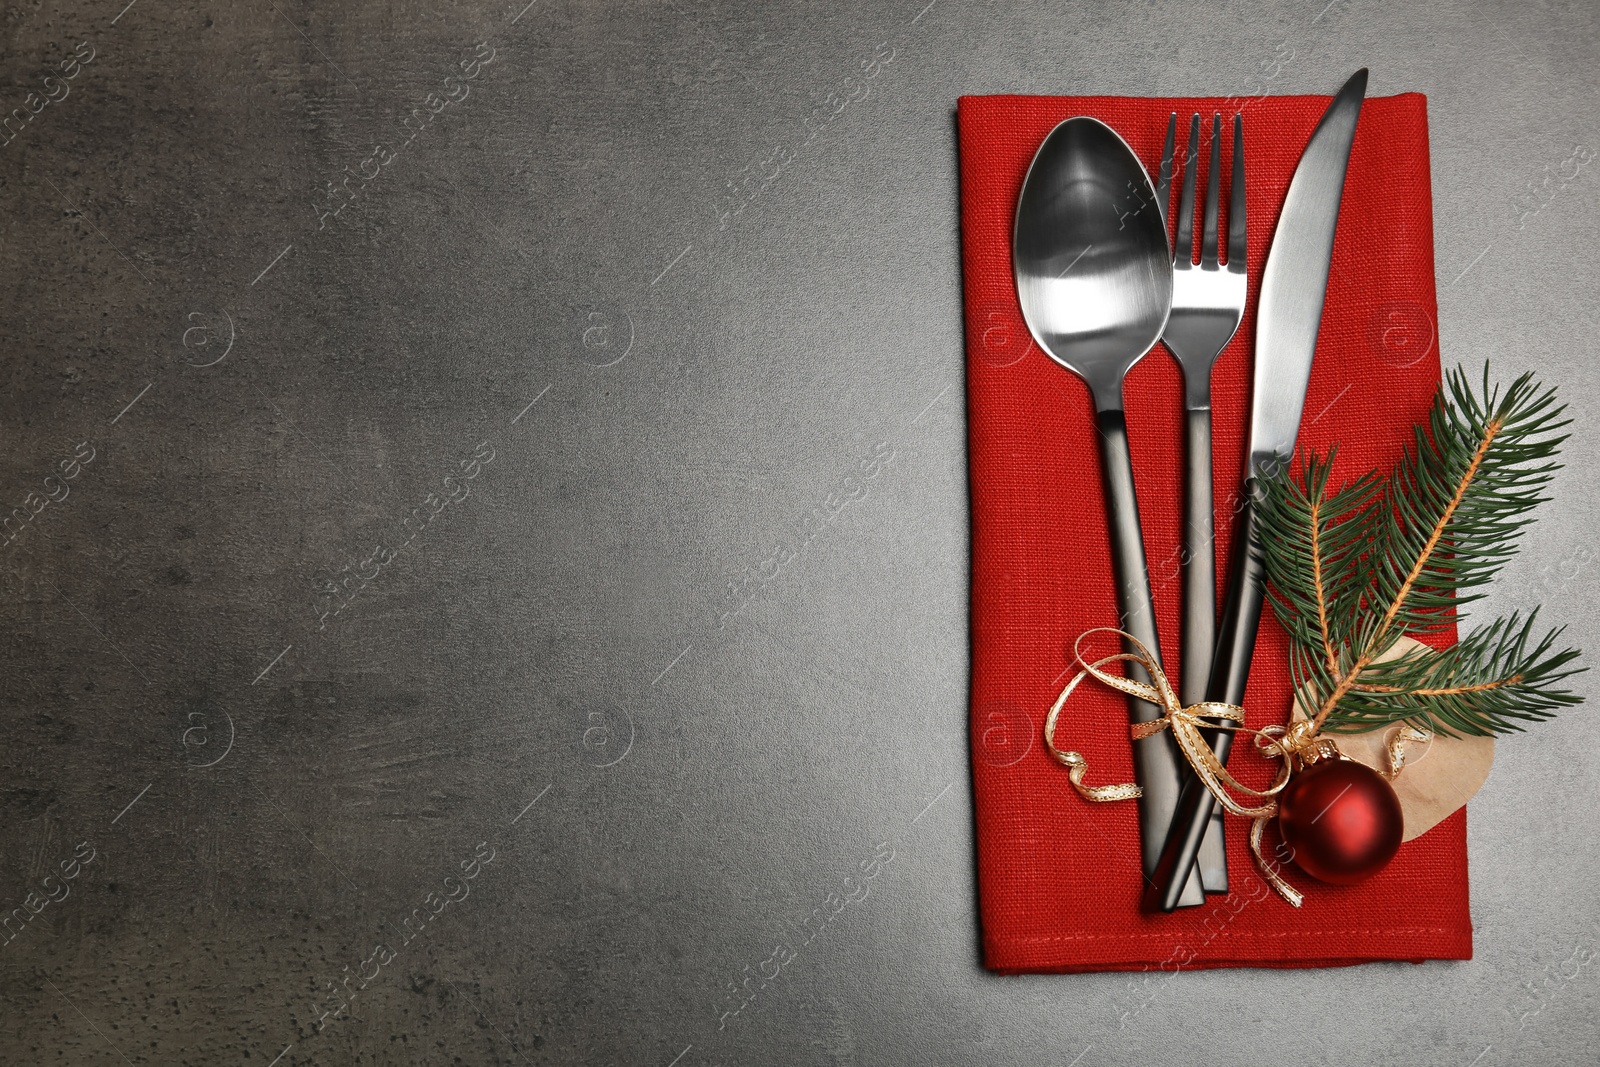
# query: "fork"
1208,302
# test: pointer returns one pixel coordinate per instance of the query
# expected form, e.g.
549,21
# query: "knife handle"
1230,669
1156,763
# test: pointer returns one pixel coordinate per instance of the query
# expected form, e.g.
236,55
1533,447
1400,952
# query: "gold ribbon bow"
1186,723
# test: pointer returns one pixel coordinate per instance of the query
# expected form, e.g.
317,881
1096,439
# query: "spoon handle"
1200,606
1155,758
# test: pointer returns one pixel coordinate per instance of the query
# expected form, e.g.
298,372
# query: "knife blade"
1288,317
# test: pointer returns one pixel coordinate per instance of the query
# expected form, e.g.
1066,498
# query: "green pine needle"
1353,570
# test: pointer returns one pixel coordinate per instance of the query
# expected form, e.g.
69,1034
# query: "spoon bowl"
1093,268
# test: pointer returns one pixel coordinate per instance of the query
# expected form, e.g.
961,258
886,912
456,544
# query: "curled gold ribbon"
1395,749
1298,740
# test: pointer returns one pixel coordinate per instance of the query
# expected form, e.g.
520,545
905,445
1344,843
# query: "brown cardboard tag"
1440,775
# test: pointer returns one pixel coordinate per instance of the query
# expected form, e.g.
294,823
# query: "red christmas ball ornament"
1341,820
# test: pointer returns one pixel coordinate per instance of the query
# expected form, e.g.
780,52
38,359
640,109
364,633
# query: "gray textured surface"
572,611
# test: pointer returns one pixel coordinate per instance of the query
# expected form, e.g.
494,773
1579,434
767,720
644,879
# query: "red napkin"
1059,877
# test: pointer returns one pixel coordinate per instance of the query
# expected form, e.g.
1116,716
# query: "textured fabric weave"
1058,877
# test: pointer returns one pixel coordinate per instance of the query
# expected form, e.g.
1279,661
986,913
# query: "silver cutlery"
1094,280
1293,287
1207,305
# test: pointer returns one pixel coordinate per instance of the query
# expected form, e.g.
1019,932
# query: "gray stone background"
273,684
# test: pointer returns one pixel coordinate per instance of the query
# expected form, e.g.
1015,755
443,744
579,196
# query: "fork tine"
1184,248
1238,250
1164,181
1208,240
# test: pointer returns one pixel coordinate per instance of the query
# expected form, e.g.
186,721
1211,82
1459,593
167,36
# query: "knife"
1288,317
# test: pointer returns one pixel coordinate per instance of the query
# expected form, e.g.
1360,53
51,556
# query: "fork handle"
1200,611
1199,560
1156,762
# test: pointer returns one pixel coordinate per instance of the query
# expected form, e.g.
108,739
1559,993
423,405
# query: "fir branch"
1495,678
1352,571
1457,499
1317,551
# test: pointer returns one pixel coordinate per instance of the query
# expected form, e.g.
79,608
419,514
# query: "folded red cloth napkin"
1059,877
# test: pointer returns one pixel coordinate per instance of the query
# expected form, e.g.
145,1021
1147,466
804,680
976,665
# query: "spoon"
1094,278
